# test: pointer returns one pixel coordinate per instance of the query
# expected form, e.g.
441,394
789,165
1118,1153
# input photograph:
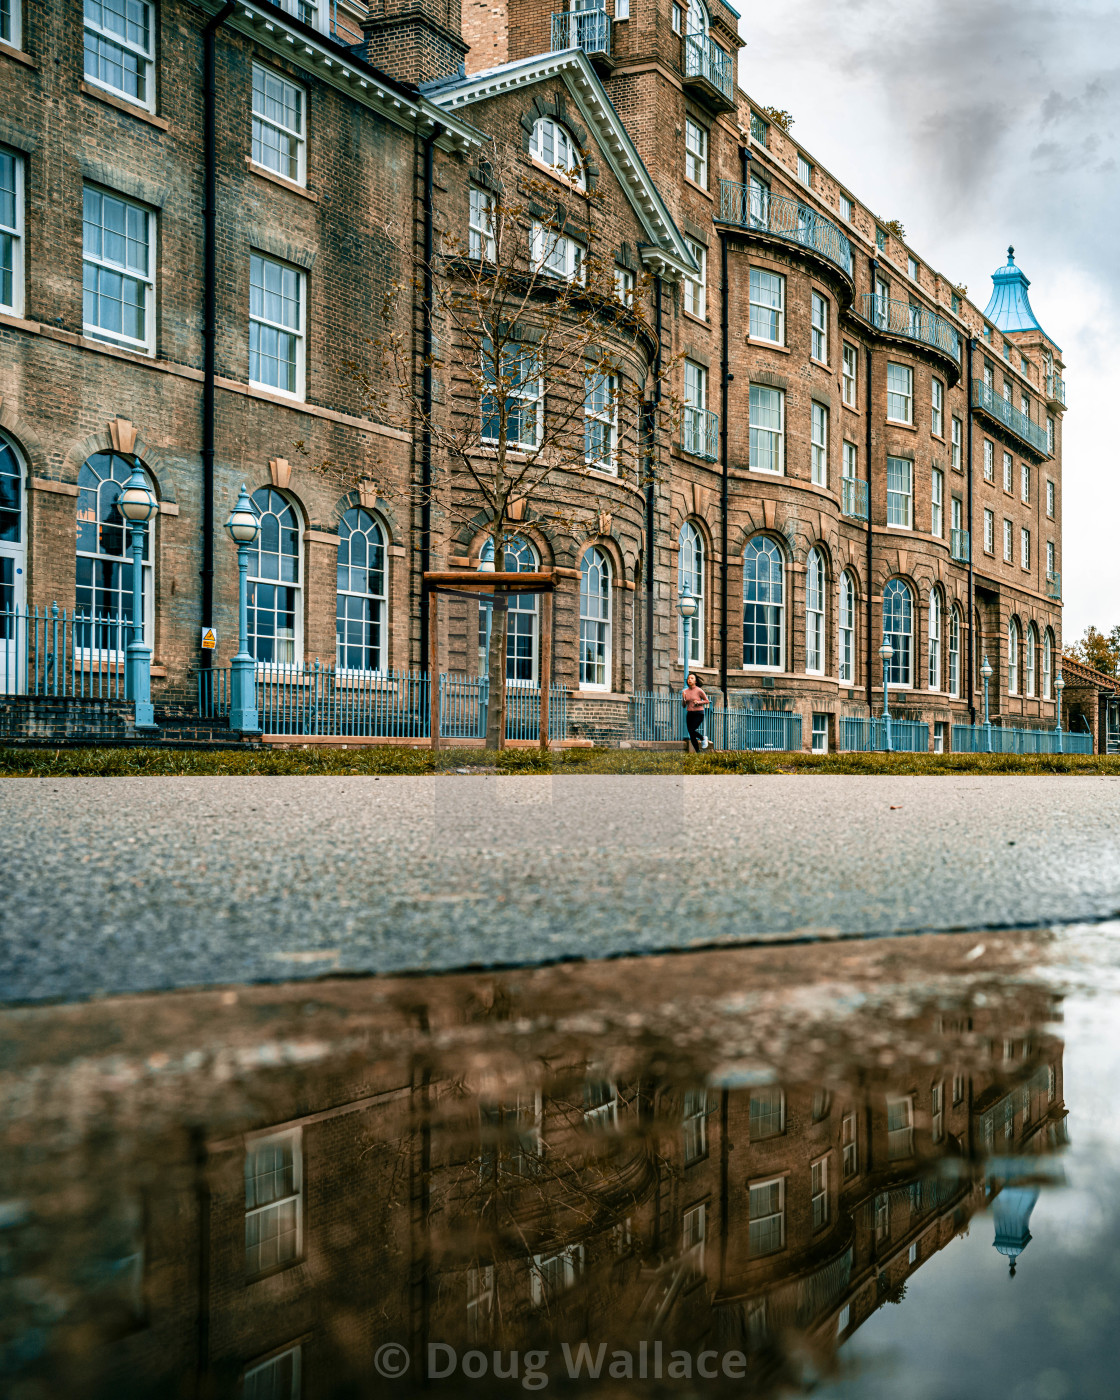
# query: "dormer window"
554,146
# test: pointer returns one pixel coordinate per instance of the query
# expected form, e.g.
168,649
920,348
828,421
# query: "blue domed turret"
1010,308
1011,1211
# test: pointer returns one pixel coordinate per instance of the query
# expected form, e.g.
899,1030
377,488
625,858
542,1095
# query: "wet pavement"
866,1168
130,884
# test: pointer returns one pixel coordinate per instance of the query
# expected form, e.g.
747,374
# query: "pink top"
694,698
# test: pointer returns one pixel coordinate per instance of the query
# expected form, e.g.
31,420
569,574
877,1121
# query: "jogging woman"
694,699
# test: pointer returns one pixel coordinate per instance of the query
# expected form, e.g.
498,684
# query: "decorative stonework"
122,434
280,469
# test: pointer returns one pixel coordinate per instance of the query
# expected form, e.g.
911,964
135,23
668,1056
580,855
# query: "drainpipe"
971,546
725,378
209,312
650,522
426,396
869,641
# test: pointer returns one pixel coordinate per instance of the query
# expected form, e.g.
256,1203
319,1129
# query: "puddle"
861,1169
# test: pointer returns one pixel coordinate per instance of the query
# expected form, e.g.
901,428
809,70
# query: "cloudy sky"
980,123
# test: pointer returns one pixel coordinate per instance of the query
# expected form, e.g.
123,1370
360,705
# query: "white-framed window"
766,1232
690,572
1012,657
696,288
820,733
1006,386
600,421
937,502
849,1143
958,440
276,326
954,651
119,37
957,515
900,1127
1025,404
989,371
898,630
767,1113
900,393
1024,483
819,327
554,254
850,467
849,378
818,1192
695,1125
989,532
522,619
10,22
846,208
818,448
1008,542
600,1104
763,605
1008,472
1030,663
695,153
621,9
514,369
693,1233
360,593
480,1302
13,543
279,111
768,306
1024,548
697,429
804,170
595,620
275,582
1051,498
934,640
900,493
480,237
843,1319
273,1201
1047,665
881,1217
624,285
1050,435
103,566
912,1256
912,266
759,203
1050,557
118,270
552,145
937,408
678,19
847,638
767,430
310,12
11,232
937,1111
278,1378
989,461
814,612
553,1274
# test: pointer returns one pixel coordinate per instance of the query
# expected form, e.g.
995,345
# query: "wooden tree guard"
455,581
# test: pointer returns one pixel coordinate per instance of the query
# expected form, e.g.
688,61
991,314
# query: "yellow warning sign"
209,638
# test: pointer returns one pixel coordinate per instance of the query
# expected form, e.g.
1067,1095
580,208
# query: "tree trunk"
496,669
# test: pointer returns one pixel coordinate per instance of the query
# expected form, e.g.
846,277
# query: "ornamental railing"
589,30
700,432
703,58
895,317
51,652
878,735
988,401
782,217
960,546
1054,586
853,497
996,738
1056,389
658,717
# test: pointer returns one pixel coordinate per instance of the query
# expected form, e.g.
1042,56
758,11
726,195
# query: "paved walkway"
125,884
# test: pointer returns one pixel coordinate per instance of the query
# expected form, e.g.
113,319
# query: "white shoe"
705,744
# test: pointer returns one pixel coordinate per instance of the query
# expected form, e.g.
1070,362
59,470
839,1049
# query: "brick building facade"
845,446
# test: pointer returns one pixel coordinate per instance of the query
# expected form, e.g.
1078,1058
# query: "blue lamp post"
1059,686
137,505
986,672
244,526
886,651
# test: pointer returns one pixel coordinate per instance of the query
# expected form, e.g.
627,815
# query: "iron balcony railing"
853,497
703,58
700,432
51,652
995,406
859,735
995,738
783,218
589,30
960,546
896,317
1056,389
1054,586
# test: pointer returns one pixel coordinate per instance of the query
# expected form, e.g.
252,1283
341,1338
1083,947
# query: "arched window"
554,146
763,605
690,571
1013,657
11,533
934,639
275,577
847,639
103,573
697,22
522,624
1030,661
898,629
1047,665
814,613
595,621
955,651
360,593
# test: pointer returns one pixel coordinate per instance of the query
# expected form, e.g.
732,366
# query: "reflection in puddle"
688,1175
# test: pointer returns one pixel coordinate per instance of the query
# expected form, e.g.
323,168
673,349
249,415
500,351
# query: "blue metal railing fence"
658,717
996,738
51,652
861,735
896,317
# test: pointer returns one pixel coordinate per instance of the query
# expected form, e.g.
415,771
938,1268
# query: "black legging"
694,719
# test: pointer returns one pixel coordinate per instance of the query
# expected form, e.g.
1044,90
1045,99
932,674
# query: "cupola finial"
1010,254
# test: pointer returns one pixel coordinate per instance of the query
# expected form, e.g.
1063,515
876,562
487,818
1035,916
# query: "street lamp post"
886,651
244,526
1059,686
986,672
687,607
137,505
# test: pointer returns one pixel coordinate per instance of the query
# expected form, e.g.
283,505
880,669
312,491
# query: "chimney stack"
415,41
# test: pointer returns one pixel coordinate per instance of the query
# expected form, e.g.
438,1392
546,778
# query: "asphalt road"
129,884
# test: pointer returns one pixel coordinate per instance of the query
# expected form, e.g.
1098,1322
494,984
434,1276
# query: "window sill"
263,391
123,105
557,175
769,345
700,189
897,423
9,318
7,51
821,364
282,181
699,320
